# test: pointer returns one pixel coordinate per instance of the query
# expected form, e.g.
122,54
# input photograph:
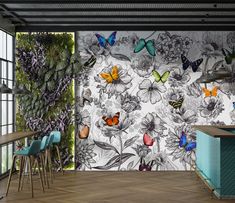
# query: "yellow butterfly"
210,93
110,77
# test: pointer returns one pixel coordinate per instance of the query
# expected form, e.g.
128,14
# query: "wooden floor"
120,187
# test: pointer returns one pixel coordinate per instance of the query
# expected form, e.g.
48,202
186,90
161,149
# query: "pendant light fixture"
4,89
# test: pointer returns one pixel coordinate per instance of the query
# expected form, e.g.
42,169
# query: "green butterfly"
162,78
229,55
149,46
177,104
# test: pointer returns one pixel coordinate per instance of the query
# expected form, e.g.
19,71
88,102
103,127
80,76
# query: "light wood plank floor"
120,187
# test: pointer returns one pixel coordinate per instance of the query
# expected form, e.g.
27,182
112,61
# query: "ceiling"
73,15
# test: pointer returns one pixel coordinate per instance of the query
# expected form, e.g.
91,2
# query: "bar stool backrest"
34,147
44,143
50,140
57,136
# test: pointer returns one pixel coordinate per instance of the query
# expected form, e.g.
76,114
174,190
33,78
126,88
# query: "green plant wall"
46,66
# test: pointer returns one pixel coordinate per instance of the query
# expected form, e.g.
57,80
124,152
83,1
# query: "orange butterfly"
110,121
210,93
110,77
84,132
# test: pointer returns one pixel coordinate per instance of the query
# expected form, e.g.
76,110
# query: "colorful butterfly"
177,104
84,132
103,42
210,93
110,77
229,55
148,140
188,146
195,64
145,167
149,46
162,78
111,121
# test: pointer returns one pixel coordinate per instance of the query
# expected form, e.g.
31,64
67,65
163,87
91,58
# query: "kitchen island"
215,158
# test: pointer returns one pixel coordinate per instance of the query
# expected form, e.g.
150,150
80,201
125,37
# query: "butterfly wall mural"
139,99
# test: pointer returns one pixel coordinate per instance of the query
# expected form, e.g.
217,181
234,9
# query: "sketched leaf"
121,57
130,141
130,165
115,161
105,146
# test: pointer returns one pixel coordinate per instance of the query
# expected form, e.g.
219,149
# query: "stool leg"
10,175
23,171
44,171
50,164
39,171
20,171
58,152
30,175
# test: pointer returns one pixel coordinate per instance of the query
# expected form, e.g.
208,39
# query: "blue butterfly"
103,42
187,146
195,64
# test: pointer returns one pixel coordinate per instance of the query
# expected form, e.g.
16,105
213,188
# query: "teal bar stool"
48,162
27,153
56,141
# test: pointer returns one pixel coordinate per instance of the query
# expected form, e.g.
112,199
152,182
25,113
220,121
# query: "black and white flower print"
153,125
184,116
85,155
211,107
150,91
178,77
231,40
118,86
130,103
143,65
142,150
194,90
170,47
177,152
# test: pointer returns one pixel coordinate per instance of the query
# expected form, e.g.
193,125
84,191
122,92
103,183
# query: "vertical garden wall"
46,66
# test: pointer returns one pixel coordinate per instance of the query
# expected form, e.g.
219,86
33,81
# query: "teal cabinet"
215,162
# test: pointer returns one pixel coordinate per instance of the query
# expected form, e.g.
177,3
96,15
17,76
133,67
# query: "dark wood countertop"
11,137
216,131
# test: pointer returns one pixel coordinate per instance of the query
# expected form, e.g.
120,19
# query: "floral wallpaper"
137,97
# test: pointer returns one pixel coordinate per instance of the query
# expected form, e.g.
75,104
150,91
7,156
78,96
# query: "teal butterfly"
163,78
149,46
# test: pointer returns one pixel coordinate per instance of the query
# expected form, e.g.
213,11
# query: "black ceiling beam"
114,1
124,28
58,23
122,16
119,9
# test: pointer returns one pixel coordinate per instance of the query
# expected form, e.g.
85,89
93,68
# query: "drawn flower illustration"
184,116
150,91
217,123
211,107
170,47
89,46
153,125
174,95
194,90
212,45
85,154
113,130
178,77
111,86
143,65
162,161
141,150
231,40
83,118
172,144
130,103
